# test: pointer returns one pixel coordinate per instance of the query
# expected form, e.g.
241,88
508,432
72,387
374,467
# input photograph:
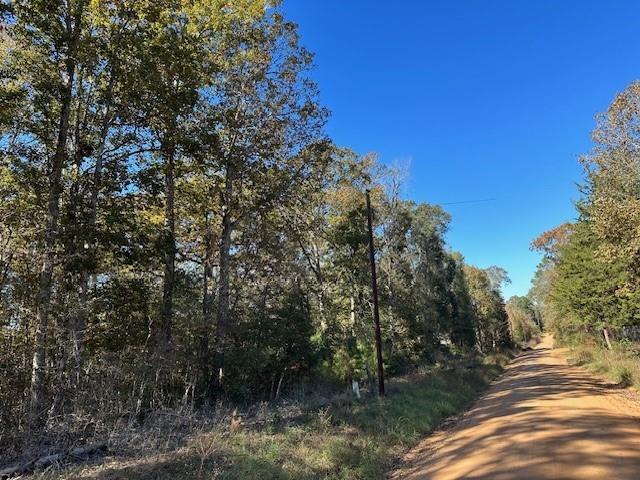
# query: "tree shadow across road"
542,420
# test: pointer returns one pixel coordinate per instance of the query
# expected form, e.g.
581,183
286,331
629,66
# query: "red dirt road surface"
543,419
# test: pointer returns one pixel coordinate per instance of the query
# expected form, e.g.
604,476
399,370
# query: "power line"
482,200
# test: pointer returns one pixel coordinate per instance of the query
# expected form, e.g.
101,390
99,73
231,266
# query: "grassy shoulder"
348,439
621,364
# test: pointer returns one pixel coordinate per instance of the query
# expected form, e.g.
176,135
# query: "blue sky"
487,99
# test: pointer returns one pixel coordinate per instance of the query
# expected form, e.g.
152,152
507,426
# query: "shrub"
582,356
623,376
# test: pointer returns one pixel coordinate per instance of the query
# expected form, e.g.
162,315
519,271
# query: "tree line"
177,228
588,283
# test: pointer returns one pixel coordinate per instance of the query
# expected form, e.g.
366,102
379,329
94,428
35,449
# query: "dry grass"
345,439
621,364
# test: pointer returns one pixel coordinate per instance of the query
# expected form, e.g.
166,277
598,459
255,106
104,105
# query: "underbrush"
621,364
347,438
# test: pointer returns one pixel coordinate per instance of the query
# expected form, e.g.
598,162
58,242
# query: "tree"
48,45
463,328
522,319
613,176
491,317
269,127
584,291
550,242
588,279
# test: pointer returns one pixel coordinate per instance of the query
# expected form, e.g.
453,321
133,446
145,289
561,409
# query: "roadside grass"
348,439
621,364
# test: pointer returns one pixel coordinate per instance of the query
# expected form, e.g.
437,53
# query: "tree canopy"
176,226
588,280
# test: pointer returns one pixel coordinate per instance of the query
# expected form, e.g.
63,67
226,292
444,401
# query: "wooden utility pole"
374,290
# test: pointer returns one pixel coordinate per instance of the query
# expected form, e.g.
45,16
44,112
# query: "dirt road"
543,419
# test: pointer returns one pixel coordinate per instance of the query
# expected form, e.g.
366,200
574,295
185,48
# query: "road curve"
543,419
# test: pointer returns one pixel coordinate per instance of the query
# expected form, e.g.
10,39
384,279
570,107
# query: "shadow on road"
542,420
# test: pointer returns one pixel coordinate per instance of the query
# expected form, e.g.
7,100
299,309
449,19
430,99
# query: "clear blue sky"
487,98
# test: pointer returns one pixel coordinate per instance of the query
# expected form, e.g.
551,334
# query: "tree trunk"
77,331
223,314
279,389
205,372
605,331
78,453
166,309
352,314
5,260
80,320
43,300
479,337
369,378
511,330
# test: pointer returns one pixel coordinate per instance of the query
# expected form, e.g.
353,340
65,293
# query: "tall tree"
266,115
48,42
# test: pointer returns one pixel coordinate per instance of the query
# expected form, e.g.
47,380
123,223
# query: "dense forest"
587,287
176,228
